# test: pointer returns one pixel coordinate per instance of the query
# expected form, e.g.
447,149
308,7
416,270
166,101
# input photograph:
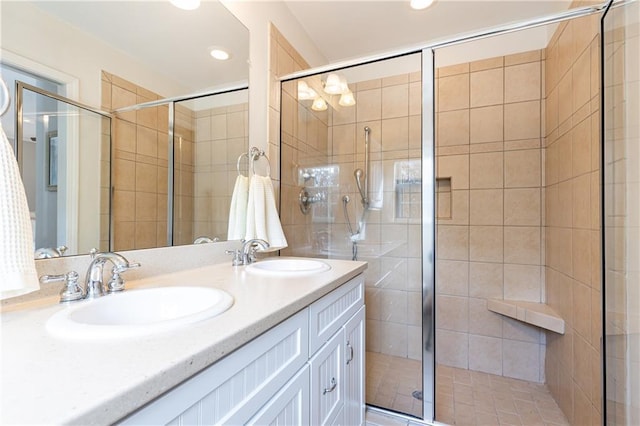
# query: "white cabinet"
290,406
328,382
354,371
307,370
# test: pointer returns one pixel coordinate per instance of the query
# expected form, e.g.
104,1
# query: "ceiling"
347,29
172,41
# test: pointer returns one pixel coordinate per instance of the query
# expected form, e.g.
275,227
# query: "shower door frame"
428,164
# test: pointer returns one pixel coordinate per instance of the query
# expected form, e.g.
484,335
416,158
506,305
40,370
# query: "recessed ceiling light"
421,4
220,54
186,4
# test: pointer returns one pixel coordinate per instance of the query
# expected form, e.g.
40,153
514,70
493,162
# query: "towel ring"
246,154
6,101
255,155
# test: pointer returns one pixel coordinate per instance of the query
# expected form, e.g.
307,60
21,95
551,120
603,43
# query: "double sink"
140,312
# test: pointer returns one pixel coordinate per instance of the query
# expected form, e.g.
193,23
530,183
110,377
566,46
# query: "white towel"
262,216
17,265
238,210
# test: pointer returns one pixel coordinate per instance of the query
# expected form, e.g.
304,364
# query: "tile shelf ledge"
538,314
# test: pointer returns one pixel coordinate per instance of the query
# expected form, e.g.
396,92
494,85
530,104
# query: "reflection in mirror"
58,141
133,67
176,190
211,133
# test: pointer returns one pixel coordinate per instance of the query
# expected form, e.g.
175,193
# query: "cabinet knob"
332,387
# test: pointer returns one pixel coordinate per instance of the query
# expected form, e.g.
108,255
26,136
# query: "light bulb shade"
305,92
186,4
347,99
421,4
219,54
319,104
333,85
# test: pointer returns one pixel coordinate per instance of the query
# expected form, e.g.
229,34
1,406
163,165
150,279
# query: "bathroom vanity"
290,348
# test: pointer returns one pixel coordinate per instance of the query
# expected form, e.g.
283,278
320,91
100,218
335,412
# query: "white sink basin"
288,267
139,312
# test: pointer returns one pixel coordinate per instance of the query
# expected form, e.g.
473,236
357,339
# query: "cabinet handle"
332,388
350,353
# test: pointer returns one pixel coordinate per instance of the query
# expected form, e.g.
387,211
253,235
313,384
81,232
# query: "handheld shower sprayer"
360,175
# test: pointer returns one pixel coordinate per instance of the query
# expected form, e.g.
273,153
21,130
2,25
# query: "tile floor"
463,397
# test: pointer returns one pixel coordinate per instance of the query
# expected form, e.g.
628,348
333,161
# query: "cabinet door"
290,406
327,382
354,369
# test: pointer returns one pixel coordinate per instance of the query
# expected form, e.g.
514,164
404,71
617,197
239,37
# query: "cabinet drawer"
327,382
328,315
236,387
288,407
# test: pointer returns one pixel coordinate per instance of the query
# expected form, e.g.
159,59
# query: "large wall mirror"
168,158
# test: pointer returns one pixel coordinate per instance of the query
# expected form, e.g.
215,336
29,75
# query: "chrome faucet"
94,286
50,252
247,254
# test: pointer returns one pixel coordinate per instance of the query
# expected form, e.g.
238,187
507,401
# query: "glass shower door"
620,44
351,188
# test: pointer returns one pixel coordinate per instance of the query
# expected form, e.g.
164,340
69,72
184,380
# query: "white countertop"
47,380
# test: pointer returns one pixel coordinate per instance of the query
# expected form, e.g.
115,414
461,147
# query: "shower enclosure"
487,147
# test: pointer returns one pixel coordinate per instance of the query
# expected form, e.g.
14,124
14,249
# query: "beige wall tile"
522,282
456,167
565,98
452,277
369,105
395,134
486,124
453,128
146,206
395,101
581,147
483,322
486,280
452,313
582,255
453,348
146,141
485,354
522,58
487,87
522,169
522,207
582,202
453,92
486,170
486,64
485,207
453,69
485,243
146,178
522,82
520,360
522,245
522,120
581,80
453,242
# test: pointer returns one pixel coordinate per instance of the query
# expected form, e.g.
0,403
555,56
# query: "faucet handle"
237,257
116,283
71,290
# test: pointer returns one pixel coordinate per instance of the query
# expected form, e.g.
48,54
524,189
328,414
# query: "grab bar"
364,189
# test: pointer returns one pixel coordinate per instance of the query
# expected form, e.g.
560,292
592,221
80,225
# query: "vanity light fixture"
347,99
305,92
319,104
421,4
186,4
219,53
335,84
